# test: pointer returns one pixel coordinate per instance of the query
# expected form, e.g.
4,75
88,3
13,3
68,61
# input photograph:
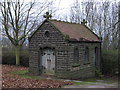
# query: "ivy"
67,37
98,73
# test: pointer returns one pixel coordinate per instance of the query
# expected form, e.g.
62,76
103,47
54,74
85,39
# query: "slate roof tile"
75,31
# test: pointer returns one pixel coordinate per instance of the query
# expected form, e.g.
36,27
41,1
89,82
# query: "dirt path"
94,85
97,84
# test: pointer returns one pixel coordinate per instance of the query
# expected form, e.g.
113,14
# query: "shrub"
98,73
109,61
8,57
24,58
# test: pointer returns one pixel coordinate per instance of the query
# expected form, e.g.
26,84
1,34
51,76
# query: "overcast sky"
67,3
64,5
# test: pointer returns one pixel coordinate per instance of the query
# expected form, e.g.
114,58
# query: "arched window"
86,54
76,55
47,34
96,56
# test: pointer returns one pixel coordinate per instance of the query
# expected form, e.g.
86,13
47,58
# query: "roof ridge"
64,21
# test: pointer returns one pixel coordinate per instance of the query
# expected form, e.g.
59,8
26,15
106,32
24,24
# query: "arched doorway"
48,60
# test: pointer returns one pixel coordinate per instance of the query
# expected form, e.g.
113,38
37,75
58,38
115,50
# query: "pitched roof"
75,31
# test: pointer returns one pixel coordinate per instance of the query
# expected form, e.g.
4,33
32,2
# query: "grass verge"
25,74
96,80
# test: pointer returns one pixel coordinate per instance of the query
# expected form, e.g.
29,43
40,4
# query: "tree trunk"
17,52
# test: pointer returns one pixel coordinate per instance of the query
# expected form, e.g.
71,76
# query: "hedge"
109,61
8,57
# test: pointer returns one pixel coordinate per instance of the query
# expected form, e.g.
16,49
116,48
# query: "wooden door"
48,61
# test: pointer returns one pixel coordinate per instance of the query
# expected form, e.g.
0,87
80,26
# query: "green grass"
30,77
24,74
20,72
84,82
80,83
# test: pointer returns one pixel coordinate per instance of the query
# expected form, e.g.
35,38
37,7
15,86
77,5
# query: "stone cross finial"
47,15
83,22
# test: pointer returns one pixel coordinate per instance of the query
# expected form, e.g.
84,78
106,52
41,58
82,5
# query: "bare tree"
113,26
18,20
75,12
101,17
